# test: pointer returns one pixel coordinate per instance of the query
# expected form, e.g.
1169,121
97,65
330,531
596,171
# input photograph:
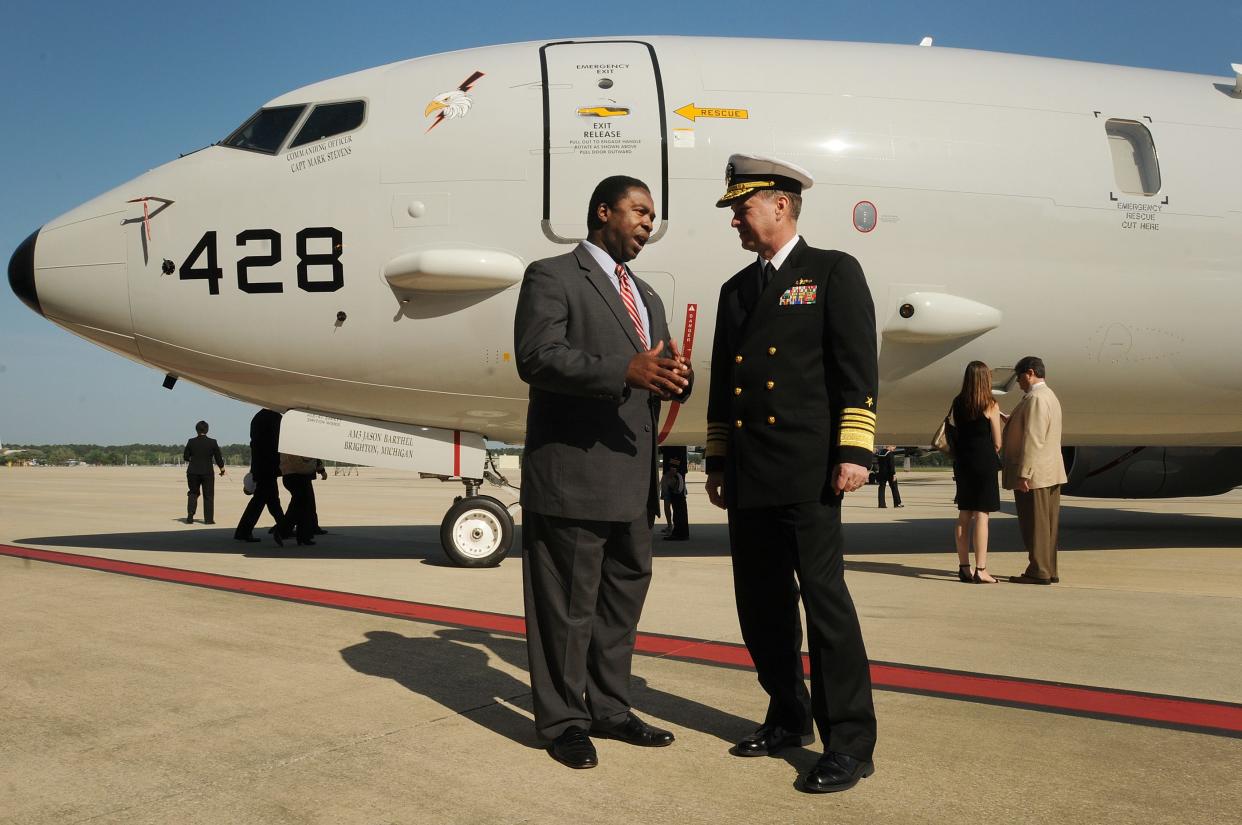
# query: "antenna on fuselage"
926,41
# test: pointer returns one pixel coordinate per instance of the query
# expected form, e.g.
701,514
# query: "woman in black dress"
976,461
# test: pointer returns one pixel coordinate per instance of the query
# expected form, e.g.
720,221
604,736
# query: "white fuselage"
991,176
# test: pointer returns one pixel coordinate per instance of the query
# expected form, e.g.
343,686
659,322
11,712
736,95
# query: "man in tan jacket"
1033,469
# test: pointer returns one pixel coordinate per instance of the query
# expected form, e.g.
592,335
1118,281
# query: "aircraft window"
266,129
1134,157
330,119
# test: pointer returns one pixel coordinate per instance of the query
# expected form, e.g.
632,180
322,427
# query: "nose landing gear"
477,531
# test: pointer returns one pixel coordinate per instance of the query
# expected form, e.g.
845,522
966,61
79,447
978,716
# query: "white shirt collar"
781,254
1034,386
602,258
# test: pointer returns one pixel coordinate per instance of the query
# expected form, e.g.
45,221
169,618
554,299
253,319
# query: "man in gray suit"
592,341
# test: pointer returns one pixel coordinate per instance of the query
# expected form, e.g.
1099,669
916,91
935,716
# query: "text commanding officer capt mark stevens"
790,427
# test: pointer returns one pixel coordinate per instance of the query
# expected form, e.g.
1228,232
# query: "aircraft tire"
476,532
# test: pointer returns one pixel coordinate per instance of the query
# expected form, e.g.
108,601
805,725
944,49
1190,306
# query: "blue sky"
97,93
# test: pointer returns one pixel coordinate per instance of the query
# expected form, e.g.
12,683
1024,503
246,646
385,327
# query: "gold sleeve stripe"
858,421
858,411
855,438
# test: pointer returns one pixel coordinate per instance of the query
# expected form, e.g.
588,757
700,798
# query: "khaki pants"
1039,514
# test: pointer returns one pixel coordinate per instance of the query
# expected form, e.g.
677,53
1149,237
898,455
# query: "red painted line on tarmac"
1205,716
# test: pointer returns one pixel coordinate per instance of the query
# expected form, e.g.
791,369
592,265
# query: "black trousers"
584,583
266,494
207,483
299,519
776,549
681,517
892,482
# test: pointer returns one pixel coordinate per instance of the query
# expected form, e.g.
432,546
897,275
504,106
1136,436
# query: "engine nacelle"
1151,472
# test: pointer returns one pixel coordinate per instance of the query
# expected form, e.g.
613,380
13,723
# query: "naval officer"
593,344
791,427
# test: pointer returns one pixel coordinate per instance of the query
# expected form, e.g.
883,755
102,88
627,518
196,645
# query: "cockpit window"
330,119
266,129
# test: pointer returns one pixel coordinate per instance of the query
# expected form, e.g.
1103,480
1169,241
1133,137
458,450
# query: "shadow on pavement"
350,542
908,531
450,668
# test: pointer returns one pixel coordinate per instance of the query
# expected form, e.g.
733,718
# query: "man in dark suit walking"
886,474
264,469
592,341
790,428
199,452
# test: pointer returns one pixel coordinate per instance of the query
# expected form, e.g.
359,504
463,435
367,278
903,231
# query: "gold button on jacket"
808,375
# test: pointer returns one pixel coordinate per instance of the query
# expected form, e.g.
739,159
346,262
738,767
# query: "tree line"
147,455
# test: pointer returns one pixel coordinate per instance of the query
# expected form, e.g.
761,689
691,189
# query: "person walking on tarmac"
200,452
886,474
264,470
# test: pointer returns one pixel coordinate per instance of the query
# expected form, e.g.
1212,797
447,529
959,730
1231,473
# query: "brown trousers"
1039,515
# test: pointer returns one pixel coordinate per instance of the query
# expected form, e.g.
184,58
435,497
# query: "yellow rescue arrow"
690,112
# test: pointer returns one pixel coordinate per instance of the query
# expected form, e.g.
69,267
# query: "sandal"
980,580
963,573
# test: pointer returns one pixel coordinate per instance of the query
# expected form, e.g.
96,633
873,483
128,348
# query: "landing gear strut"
477,531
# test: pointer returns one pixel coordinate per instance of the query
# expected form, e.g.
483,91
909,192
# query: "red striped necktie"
627,298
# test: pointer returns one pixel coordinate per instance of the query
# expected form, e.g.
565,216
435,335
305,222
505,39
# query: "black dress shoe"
769,739
574,749
275,534
245,538
208,522
836,772
1029,580
1056,580
319,531
634,731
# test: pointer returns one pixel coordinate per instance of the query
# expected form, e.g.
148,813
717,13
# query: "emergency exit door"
603,114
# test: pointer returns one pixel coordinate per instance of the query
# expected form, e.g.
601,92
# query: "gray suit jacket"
590,439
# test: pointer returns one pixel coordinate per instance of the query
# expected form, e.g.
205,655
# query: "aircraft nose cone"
22,273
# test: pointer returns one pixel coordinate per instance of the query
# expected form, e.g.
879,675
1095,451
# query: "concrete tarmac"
133,700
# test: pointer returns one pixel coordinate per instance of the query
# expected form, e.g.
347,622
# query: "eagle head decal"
451,104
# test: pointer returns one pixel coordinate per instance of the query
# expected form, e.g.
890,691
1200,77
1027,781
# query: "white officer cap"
747,174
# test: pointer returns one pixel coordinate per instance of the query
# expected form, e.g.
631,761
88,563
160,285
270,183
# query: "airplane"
351,254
